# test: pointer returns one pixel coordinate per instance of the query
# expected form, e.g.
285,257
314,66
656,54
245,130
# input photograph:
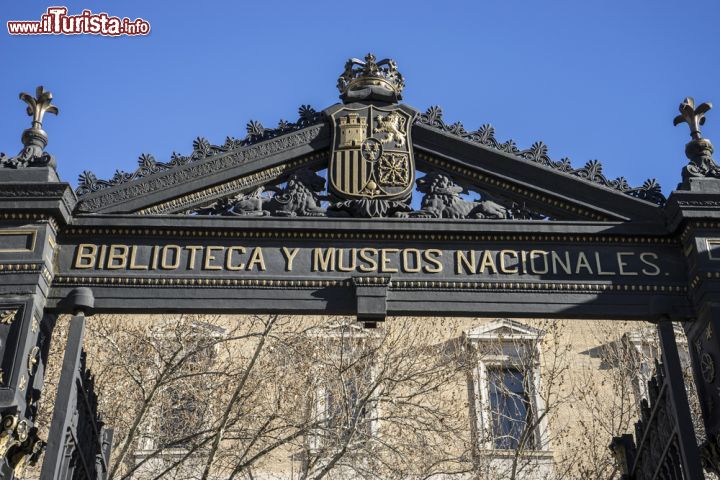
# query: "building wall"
422,378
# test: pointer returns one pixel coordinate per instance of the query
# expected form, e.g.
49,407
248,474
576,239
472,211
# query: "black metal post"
678,398
75,410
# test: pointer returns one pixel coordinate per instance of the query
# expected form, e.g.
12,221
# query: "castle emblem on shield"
372,153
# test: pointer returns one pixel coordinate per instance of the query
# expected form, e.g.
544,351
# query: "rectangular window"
510,409
346,409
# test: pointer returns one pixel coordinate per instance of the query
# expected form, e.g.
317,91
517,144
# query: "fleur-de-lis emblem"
694,117
7,316
39,105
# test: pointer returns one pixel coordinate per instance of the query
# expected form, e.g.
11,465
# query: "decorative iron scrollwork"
442,199
19,444
707,367
710,454
370,208
299,197
202,149
302,194
592,171
655,452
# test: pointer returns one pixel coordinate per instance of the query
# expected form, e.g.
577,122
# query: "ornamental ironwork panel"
664,445
78,444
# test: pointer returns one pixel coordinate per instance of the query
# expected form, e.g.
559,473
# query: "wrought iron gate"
664,446
78,444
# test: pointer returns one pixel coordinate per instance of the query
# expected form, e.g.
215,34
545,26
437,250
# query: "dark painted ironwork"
299,197
202,149
24,343
79,444
664,447
442,200
619,251
34,139
699,150
303,194
592,171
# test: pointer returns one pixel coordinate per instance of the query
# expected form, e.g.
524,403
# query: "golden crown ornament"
371,80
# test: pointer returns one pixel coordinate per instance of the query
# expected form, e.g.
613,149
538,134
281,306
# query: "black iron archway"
248,227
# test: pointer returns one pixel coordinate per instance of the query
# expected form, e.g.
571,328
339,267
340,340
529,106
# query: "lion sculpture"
299,198
442,200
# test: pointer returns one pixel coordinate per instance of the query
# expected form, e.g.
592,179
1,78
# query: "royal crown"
371,80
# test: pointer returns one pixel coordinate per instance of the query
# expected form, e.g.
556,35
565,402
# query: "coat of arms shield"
372,153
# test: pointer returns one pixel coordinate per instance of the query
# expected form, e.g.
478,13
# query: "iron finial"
39,105
34,139
699,150
694,117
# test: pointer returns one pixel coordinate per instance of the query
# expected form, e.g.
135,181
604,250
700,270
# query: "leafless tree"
245,397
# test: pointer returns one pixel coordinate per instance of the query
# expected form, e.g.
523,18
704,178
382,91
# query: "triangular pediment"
467,175
503,328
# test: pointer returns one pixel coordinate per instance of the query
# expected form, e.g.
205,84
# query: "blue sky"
592,79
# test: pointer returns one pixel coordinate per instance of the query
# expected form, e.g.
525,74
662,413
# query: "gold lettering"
583,262
349,268
488,261
384,260
256,257
503,265
164,263
228,258
622,263
103,251
372,263
323,261
85,260
117,252
599,266
557,261
461,260
543,255
289,257
406,260
656,268
210,256
430,255
191,257
133,260
156,249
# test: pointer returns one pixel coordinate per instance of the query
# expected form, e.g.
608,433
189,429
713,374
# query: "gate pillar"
693,212
34,205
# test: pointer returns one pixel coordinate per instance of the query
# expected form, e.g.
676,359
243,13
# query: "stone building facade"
491,397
